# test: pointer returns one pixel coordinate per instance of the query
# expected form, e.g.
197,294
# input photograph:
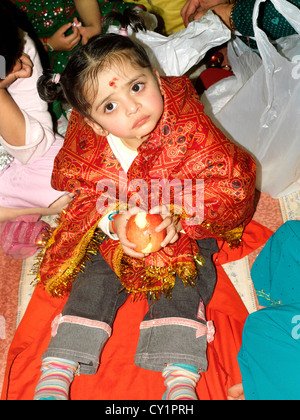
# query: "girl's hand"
173,227
60,42
22,70
120,226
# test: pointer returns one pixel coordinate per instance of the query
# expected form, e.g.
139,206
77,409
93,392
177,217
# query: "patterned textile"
184,146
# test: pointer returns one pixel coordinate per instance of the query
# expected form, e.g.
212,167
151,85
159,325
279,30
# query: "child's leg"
81,331
181,381
57,376
171,334
174,332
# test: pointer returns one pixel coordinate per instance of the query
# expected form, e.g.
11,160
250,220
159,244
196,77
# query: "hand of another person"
60,204
60,42
21,70
87,32
195,9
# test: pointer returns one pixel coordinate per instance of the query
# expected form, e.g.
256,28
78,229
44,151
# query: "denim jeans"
173,330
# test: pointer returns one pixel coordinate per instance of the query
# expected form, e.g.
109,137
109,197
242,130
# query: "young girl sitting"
26,131
129,130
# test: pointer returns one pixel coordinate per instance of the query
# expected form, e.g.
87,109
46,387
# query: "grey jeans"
173,331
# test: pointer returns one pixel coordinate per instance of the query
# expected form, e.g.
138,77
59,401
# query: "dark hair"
129,18
11,42
81,72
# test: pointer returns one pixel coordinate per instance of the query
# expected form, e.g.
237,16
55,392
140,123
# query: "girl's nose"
132,107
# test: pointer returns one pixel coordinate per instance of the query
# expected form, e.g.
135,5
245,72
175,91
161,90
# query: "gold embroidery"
263,294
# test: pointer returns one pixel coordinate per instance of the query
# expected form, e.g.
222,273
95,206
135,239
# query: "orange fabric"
254,236
118,378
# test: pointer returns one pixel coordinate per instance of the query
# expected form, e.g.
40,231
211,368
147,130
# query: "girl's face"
128,104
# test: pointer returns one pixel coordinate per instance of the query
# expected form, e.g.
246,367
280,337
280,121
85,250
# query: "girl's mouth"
140,122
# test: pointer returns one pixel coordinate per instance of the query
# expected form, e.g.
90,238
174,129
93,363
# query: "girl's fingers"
164,225
171,238
162,210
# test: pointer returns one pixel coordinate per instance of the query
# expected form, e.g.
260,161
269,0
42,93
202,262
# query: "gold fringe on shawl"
61,283
154,281
233,237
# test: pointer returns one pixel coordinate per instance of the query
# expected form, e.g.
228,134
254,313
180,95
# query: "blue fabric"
190,368
275,273
269,356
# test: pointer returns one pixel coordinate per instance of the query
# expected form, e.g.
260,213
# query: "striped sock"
57,376
181,381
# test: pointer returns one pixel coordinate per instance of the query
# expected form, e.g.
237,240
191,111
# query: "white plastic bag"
176,54
259,108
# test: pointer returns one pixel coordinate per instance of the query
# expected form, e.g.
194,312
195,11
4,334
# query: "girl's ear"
156,73
96,127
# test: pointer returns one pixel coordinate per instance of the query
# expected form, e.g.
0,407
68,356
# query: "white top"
39,125
125,157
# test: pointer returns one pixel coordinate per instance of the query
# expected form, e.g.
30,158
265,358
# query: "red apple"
140,231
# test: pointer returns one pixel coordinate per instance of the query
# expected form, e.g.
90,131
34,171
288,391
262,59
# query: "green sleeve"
271,21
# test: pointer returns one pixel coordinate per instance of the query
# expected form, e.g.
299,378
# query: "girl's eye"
137,87
110,107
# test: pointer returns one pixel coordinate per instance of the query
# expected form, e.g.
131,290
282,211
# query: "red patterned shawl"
184,145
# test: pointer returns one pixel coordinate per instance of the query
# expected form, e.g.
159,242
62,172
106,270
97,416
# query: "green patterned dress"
270,20
47,16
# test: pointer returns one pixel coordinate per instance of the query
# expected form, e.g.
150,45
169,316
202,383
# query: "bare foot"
236,393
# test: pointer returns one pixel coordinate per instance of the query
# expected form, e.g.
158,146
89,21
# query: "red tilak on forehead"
112,83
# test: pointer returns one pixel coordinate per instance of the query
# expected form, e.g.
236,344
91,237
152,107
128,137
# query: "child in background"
271,334
62,24
137,128
26,131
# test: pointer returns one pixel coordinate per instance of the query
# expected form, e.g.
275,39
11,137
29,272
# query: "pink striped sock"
57,376
181,383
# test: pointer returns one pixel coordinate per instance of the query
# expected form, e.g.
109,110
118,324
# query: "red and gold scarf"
185,145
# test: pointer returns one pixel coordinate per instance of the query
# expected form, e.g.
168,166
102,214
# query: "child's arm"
90,14
39,132
12,121
7,214
59,41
